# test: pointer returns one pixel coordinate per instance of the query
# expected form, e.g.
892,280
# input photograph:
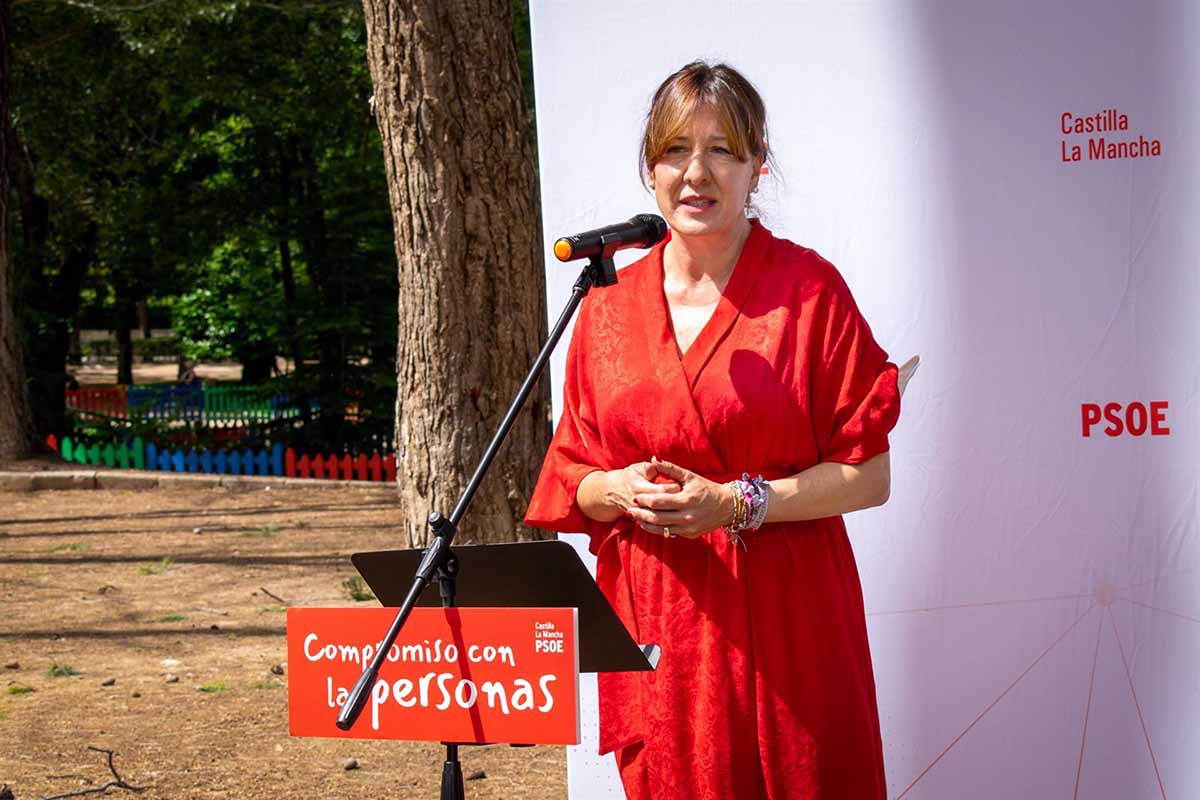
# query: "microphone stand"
438,562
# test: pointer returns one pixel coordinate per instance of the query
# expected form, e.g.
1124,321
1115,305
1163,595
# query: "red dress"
764,688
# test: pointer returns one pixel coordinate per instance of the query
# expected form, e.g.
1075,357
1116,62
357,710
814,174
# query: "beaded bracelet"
750,497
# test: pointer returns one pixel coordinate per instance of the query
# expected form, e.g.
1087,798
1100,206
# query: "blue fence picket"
277,458
206,462
220,466
151,456
192,461
235,463
164,461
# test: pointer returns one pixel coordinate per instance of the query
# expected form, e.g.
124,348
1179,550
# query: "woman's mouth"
698,203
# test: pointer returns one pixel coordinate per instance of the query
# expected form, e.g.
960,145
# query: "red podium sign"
454,675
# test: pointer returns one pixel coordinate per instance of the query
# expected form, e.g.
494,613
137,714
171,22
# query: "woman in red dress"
724,404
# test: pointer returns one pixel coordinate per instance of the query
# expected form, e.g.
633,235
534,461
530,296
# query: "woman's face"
700,186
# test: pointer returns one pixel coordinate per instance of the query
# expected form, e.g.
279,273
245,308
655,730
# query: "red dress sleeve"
856,401
574,453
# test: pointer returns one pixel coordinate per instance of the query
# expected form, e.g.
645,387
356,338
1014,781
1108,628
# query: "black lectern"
522,575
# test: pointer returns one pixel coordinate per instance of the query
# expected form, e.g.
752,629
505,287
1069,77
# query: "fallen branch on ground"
116,783
273,596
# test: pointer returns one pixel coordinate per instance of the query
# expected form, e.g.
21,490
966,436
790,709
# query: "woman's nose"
697,169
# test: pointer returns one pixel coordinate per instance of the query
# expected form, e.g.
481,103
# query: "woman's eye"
676,148
724,151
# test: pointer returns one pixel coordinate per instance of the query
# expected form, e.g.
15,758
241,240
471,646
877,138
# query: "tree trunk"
46,358
257,365
16,420
287,273
143,318
328,279
124,326
464,207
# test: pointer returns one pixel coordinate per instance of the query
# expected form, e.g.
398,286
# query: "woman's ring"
667,531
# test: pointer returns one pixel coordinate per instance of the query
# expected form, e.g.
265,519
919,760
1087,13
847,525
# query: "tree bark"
46,358
329,280
464,205
16,419
143,318
287,273
125,319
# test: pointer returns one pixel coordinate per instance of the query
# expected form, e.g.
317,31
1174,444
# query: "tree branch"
116,783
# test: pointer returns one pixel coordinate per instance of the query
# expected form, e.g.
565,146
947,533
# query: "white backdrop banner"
1011,190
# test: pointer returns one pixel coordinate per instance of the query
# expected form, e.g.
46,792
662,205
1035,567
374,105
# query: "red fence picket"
109,401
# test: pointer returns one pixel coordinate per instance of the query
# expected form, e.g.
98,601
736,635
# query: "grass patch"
272,609
215,686
268,685
266,532
61,671
173,618
357,589
71,548
17,688
159,568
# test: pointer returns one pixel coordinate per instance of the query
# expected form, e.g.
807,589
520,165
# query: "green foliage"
235,309
266,532
61,671
18,688
197,153
214,686
173,618
267,685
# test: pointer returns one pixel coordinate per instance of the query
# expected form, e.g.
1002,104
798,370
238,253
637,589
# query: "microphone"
643,230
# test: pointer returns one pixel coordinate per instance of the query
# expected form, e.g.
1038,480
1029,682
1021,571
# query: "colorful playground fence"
208,404
276,460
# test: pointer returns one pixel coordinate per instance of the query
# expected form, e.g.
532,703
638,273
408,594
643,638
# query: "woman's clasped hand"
688,506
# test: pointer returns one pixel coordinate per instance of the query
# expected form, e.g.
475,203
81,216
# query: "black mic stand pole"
438,561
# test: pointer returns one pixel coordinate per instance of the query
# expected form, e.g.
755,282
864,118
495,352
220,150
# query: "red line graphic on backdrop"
1162,790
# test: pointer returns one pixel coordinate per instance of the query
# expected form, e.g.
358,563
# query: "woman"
724,355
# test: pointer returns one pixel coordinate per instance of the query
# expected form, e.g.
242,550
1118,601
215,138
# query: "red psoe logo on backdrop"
1136,419
454,675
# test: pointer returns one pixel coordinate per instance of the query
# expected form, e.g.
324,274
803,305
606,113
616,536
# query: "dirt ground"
136,586
105,374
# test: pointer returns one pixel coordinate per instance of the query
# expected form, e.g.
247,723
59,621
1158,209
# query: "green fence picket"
137,450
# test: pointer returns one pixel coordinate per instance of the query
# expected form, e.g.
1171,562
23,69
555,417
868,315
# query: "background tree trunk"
16,421
464,204
123,324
